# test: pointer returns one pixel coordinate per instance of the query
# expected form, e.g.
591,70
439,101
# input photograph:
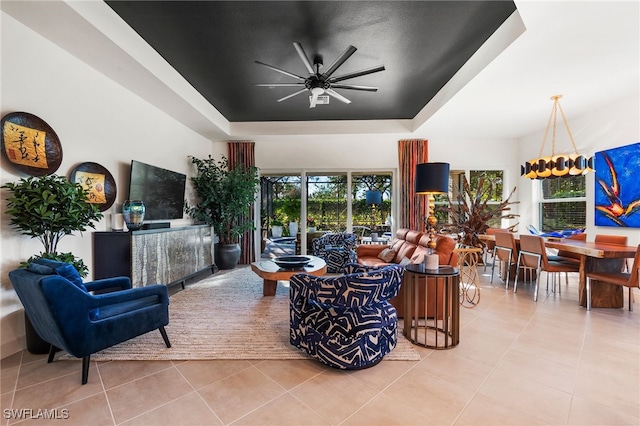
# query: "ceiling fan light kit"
556,166
321,84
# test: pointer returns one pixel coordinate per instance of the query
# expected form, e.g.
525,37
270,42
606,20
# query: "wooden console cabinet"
167,255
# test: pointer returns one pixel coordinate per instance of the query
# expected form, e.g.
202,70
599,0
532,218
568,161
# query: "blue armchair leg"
165,337
52,352
85,369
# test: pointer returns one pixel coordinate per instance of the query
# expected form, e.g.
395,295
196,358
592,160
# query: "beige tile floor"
518,363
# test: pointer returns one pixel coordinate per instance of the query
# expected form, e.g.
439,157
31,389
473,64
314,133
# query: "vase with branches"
471,215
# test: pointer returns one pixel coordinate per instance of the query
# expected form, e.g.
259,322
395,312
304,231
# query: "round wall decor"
98,181
30,144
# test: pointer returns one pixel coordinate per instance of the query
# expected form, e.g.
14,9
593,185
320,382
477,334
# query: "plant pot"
276,231
227,255
293,229
311,229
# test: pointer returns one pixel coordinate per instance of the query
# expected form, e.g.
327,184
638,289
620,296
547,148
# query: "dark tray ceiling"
213,45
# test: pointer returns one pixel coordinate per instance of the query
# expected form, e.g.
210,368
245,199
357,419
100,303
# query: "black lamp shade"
374,197
432,178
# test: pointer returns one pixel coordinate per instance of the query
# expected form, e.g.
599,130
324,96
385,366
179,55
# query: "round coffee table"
272,273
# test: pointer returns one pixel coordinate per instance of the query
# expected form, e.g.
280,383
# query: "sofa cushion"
406,250
413,237
387,255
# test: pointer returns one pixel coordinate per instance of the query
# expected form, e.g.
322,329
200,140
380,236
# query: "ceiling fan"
322,83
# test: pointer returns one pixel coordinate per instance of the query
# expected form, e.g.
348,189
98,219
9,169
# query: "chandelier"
556,166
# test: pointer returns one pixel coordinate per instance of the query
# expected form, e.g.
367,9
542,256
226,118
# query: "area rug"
225,316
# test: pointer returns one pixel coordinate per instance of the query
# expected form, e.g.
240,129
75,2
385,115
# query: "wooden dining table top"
586,248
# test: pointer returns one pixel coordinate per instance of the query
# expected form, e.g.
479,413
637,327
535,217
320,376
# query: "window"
563,203
476,177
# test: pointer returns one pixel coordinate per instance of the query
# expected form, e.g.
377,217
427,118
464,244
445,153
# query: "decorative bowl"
292,262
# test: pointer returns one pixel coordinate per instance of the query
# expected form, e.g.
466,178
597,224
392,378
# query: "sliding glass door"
297,207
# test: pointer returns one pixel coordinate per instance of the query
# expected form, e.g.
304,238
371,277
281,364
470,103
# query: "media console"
166,255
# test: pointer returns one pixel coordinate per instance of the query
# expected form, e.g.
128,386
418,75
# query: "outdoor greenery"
326,204
224,197
48,208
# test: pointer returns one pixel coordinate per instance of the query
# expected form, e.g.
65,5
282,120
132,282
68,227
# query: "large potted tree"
48,208
224,198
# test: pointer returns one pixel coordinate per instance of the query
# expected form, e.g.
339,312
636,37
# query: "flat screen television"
161,190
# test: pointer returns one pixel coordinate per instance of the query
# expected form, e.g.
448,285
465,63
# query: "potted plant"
224,199
276,227
291,208
311,224
48,208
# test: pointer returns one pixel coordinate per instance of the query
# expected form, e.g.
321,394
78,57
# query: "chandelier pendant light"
556,166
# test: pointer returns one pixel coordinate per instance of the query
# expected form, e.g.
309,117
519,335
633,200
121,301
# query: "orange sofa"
412,245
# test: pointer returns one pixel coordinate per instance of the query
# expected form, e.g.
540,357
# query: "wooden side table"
440,327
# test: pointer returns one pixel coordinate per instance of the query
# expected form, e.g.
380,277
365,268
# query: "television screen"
161,190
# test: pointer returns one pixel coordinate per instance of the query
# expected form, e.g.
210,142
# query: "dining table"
594,257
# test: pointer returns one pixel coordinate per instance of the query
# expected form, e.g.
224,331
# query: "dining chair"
620,240
506,252
490,245
567,256
626,279
533,254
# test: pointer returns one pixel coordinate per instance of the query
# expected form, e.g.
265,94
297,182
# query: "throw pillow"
387,255
70,273
37,268
50,267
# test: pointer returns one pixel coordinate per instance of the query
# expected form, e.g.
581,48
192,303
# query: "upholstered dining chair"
620,240
347,321
533,254
83,318
336,249
490,245
566,256
629,279
506,252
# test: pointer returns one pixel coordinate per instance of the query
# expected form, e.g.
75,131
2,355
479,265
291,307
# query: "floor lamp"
374,198
432,178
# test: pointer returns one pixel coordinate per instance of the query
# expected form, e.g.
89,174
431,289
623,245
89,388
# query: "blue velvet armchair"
83,318
337,249
345,322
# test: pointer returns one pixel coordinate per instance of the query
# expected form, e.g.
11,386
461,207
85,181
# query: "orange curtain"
413,208
242,154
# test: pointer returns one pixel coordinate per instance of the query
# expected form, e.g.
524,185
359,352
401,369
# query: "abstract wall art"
617,188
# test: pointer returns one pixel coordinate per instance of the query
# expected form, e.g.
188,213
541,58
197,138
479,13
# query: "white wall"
609,126
95,120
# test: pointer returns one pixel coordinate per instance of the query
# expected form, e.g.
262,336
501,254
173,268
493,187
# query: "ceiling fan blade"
281,71
304,57
339,61
292,95
279,84
337,95
357,74
352,87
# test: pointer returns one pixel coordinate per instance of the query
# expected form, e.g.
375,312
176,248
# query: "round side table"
436,324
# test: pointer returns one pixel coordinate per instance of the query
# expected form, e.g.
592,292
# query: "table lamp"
432,178
373,198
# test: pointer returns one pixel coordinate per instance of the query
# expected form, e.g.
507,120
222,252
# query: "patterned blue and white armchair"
337,249
345,322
